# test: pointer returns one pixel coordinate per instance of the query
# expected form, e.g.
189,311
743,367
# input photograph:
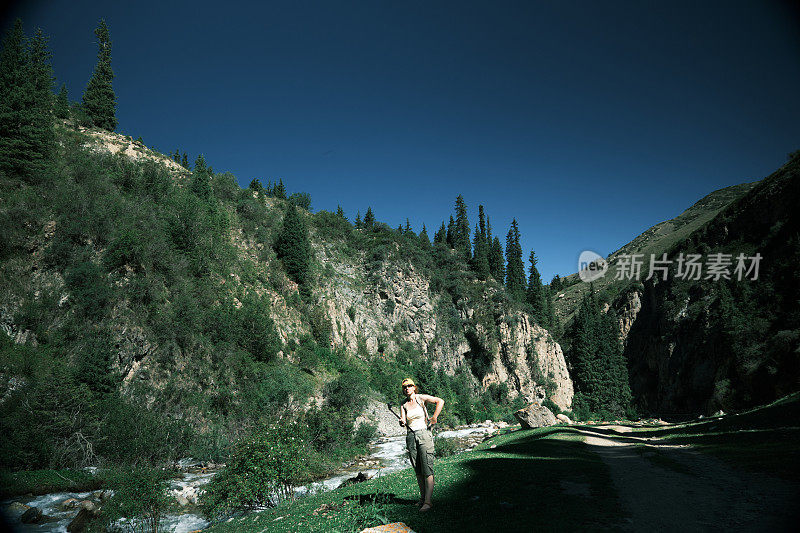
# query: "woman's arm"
439,404
402,416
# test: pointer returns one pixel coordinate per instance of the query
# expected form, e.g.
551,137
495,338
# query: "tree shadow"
529,483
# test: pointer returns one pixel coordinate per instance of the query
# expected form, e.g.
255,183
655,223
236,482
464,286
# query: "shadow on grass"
525,483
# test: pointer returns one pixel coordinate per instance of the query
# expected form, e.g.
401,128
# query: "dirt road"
672,488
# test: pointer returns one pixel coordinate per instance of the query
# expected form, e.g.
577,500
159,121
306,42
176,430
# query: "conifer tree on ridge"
99,99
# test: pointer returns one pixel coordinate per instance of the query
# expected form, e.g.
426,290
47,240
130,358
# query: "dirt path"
673,488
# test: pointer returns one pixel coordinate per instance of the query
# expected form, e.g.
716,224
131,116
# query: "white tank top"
415,417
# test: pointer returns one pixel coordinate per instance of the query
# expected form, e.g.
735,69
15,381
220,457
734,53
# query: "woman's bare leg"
421,483
428,493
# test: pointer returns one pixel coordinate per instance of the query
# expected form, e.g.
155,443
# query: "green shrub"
444,447
89,289
264,469
130,433
140,498
364,434
547,402
347,393
329,428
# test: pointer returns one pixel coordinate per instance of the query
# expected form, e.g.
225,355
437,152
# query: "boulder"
395,527
360,478
32,516
80,521
564,418
535,416
16,509
89,506
69,503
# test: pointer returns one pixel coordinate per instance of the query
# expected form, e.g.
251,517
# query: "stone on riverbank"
80,521
535,416
395,527
32,516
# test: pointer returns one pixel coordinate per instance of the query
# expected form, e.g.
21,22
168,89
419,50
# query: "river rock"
535,416
69,503
89,506
564,418
32,516
80,521
15,509
360,478
395,527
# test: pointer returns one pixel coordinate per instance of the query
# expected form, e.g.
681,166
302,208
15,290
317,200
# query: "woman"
419,441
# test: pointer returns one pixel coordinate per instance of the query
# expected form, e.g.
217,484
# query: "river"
386,454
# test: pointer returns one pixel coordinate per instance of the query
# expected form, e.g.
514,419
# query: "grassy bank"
46,481
528,479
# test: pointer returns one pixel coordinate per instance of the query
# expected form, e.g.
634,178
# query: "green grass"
511,482
46,481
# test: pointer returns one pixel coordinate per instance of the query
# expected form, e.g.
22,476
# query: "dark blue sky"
587,121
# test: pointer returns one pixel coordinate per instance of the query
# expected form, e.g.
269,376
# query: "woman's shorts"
420,451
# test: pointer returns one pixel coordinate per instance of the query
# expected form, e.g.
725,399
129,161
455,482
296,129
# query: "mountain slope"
133,288
656,240
704,345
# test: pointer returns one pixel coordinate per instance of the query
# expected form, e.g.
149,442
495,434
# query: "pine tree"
369,219
201,184
440,237
600,372
408,229
358,223
340,211
423,237
496,264
461,240
482,225
515,269
535,293
451,232
555,284
40,76
26,134
279,191
480,259
294,248
61,104
185,161
99,99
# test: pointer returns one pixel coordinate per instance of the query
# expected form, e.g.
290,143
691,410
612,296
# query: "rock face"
627,307
535,416
377,414
377,307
